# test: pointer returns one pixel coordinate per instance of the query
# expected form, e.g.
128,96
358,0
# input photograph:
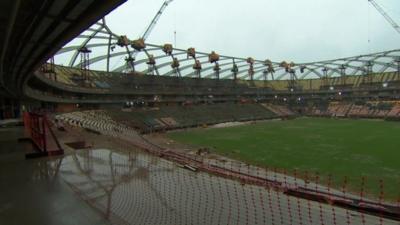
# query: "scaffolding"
343,77
85,62
293,80
325,81
234,70
49,69
130,63
367,78
216,70
250,61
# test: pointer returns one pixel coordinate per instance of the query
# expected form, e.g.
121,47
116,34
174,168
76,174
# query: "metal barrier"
288,184
39,132
132,187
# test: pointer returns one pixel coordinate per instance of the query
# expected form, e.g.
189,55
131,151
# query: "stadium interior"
71,115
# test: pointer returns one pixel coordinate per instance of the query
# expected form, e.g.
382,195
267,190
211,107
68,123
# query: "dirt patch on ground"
162,140
235,124
230,124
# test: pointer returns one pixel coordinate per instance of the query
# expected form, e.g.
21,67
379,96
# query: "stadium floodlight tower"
343,76
175,66
250,61
293,79
214,58
265,75
130,63
49,69
292,74
267,63
197,67
367,78
325,81
124,42
270,68
265,72
234,70
168,50
152,65
217,70
191,53
138,45
85,62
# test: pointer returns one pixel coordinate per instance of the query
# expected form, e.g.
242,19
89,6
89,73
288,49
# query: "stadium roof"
32,31
109,55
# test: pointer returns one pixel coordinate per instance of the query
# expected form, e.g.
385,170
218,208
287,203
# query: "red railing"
312,189
38,129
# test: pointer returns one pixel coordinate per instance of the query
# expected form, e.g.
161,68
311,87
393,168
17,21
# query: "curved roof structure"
108,54
32,31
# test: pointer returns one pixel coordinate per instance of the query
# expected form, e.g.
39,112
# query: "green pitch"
352,148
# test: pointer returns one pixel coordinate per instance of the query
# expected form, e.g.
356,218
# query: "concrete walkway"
31,191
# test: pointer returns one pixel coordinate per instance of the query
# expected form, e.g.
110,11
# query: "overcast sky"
294,30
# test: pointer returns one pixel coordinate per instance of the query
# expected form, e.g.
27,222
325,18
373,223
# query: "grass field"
352,148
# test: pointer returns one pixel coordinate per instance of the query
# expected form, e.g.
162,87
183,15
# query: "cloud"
300,31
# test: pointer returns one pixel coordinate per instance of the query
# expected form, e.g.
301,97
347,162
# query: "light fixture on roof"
331,88
340,93
385,85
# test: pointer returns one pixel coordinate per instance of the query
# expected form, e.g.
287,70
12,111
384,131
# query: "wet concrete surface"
118,184
31,191
136,188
